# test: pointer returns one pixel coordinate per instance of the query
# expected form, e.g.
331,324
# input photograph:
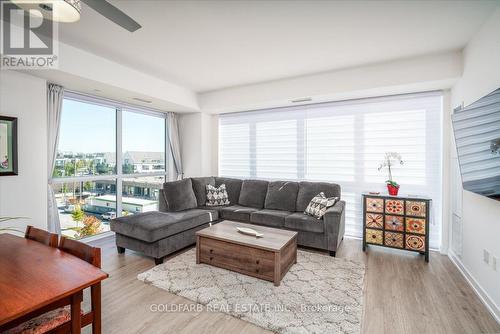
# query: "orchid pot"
392,188
390,160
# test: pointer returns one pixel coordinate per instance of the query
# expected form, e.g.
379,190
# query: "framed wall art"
8,145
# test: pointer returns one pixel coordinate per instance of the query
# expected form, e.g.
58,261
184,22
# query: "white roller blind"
342,142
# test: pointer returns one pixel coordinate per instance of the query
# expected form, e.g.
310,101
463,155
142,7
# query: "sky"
89,128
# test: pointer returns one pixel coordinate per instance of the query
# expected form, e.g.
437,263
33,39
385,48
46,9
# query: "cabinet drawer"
374,205
415,225
394,207
393,239
247,260
416,208
394,223
374,236
415,242
374,220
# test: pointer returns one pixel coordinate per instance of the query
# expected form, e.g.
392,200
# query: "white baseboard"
480,292
352,237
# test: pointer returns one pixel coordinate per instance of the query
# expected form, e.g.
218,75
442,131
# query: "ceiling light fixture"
66,11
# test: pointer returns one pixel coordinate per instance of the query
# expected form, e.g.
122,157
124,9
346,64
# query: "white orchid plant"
391,159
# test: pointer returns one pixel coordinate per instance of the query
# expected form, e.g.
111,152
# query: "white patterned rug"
320,294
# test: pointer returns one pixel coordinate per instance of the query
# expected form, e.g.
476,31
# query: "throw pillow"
319,204
217,196
179,195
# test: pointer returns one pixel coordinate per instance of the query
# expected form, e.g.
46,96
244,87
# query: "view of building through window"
87,153
140,194
143,143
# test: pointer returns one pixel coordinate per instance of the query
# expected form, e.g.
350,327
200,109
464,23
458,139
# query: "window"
276,149
86,146
342,142
141,193
92,185
143,143
85,207
234,141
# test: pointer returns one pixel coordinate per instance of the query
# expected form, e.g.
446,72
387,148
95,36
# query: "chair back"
45,237
83,251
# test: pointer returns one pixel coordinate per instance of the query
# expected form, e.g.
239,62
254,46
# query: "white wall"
431,72
24,97
83,71
446,177
480,215
198,137
190,139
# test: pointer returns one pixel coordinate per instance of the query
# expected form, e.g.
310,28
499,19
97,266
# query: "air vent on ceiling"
304,99
142,100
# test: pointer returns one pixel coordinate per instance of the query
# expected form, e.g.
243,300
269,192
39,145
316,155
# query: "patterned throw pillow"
217,196
319,204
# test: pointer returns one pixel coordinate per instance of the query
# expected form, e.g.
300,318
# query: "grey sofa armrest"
335,225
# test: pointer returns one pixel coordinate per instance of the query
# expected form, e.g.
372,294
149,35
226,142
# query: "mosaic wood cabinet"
396,222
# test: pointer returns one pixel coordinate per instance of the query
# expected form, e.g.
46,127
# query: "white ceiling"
209,45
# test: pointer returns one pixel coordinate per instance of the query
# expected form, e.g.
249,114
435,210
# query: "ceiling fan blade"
114,14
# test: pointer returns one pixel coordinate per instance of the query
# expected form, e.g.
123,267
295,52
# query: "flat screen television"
477,135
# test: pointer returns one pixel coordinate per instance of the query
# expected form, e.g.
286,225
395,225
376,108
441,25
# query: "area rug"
320,294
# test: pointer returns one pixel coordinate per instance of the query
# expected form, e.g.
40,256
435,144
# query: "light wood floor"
403,294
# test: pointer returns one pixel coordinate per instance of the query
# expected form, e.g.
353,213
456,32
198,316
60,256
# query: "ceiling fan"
69,11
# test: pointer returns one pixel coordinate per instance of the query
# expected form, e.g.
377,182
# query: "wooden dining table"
35,278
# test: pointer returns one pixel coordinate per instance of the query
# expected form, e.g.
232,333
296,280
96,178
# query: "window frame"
118,176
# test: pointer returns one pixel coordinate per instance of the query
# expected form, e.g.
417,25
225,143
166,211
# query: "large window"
143,143
342,142
87,140
111,161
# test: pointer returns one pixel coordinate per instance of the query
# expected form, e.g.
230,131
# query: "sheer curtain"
174,143
54,107
342,142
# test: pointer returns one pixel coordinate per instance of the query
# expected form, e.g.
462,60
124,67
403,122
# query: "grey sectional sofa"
278,204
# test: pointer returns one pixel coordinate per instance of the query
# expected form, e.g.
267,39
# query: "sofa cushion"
281,195
272,218
299,221
233,187
213,208
162,202
154,225
200,186
237,212
307,190
179,195
253,193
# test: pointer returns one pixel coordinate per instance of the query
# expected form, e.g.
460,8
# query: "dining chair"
79,249
58,321
45,237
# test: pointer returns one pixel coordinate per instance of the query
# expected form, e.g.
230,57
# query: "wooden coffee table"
269,257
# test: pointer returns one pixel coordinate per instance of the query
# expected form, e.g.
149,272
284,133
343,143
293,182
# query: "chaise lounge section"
183,211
